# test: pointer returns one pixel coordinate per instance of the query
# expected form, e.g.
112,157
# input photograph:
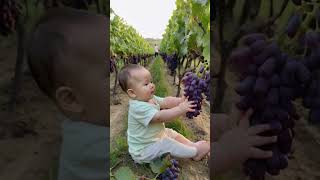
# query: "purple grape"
240,59
171,172
267,68
251,38
261,86
303,74
275,81
312,39
293,25
314,116
285,141
258,46
252,70
273,96
194,87
271,50
201,69
283,161
246,85
272,80
245,103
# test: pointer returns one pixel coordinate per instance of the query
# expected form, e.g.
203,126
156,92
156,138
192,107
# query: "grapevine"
185,49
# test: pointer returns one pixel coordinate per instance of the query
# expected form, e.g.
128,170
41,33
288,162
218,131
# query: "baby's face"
142,85
89,71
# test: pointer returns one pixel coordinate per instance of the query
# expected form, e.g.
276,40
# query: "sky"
148,17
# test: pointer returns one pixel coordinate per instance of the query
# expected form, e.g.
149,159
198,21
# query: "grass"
158,76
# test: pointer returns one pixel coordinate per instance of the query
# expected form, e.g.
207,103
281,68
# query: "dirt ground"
29,157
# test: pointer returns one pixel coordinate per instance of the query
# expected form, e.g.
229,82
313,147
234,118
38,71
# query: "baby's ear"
131,93
67,100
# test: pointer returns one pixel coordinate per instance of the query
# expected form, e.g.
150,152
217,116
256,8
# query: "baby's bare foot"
203,149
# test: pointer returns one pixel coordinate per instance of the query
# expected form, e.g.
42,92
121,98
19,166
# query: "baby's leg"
203,148
169,145
180,138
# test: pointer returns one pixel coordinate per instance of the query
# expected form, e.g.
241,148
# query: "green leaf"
156,165
124,173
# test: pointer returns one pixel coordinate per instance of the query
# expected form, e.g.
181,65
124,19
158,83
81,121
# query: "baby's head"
136,81
67,55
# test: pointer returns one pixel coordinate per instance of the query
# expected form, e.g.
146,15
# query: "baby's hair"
48,45
124,75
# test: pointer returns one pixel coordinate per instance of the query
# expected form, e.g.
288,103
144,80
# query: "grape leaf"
124,173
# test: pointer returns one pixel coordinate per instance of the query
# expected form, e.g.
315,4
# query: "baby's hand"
187,106
240,143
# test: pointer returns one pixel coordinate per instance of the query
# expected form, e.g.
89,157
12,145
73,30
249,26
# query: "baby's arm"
167,115
170,102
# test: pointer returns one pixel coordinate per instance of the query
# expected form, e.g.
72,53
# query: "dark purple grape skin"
314,116
251,38
171,172
273,96
276,127
284,141
273,163
268,115
293,25
275,81
246,85
267,68
283,162
312,39
258,46
245,103
303,74
286,93
288,74
271,50
252,70
312,62
256,169
240,59
261,86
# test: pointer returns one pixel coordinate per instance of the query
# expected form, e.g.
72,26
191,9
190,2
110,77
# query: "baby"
147,136
67,58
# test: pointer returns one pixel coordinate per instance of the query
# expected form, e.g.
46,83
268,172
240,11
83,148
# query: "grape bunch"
172,62
193,91
311,100
171,172
10,10
270,81
194,87
207,87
